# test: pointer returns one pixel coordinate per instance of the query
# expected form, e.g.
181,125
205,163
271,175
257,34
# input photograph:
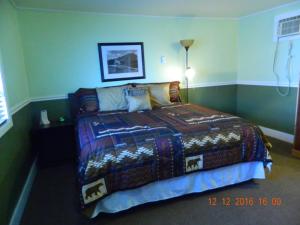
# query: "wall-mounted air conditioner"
287,26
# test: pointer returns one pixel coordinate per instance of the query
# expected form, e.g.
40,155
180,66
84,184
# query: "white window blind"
3,105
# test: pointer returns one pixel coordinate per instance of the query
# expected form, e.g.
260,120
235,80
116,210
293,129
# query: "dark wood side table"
54,143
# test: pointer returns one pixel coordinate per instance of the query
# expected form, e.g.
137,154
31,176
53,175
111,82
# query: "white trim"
123,14
157,16
48,98
265,83
211,84
19,209
241,82
278,134
268,10
14,109
25,102
18,106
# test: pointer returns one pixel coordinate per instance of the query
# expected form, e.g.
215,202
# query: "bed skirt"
179,186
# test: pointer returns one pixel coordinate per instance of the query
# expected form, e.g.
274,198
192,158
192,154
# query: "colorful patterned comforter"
119,151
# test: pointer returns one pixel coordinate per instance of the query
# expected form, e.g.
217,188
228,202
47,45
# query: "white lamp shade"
189,73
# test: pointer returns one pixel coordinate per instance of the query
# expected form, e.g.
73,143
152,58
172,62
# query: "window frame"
8,123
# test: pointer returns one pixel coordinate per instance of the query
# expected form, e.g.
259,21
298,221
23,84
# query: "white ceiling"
190,8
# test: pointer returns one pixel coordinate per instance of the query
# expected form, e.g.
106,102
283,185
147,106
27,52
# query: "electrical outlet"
163,60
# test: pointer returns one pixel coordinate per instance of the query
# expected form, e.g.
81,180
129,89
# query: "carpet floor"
53,200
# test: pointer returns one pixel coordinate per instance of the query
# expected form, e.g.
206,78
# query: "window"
5,120
3,106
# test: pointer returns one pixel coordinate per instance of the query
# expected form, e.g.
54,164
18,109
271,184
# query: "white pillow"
138,99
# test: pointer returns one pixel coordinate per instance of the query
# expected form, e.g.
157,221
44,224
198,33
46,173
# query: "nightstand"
54,143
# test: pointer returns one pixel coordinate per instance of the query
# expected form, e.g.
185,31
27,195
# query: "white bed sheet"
178,186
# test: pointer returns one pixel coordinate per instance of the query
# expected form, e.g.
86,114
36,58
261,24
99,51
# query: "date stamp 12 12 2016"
244,201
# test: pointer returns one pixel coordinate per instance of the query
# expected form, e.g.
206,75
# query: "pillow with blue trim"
138,99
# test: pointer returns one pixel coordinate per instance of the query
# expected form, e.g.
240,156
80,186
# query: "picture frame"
121,61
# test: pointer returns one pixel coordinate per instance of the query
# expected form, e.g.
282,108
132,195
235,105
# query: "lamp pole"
186,77
186,44
186,57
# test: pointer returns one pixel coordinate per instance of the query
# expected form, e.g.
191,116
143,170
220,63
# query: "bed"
127,159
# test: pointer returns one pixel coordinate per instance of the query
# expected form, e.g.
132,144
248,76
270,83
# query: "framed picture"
121,61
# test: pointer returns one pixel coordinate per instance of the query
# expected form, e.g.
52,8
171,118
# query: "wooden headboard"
74,106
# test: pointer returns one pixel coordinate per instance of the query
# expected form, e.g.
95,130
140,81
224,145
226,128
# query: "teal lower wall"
55,109
264,106
259,104
15,161
16,154
222,98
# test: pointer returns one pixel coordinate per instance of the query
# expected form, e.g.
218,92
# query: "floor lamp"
189,72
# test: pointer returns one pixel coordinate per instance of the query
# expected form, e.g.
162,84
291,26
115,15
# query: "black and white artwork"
121,61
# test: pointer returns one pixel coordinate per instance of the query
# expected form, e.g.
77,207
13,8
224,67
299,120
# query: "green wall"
15,162
262,104
220,98
47,54
61,48
55,108
11,52
15,155
61,55
50,54
256,47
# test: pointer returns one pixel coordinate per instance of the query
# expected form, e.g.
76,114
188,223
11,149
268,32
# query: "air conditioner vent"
287,26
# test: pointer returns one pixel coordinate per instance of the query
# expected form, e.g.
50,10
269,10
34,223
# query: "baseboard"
48,98
266,83
19,209
19,106
278,134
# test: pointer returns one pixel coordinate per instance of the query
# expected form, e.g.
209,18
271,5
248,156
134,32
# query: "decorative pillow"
138,99
112,98
159,94
87,100
174,91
